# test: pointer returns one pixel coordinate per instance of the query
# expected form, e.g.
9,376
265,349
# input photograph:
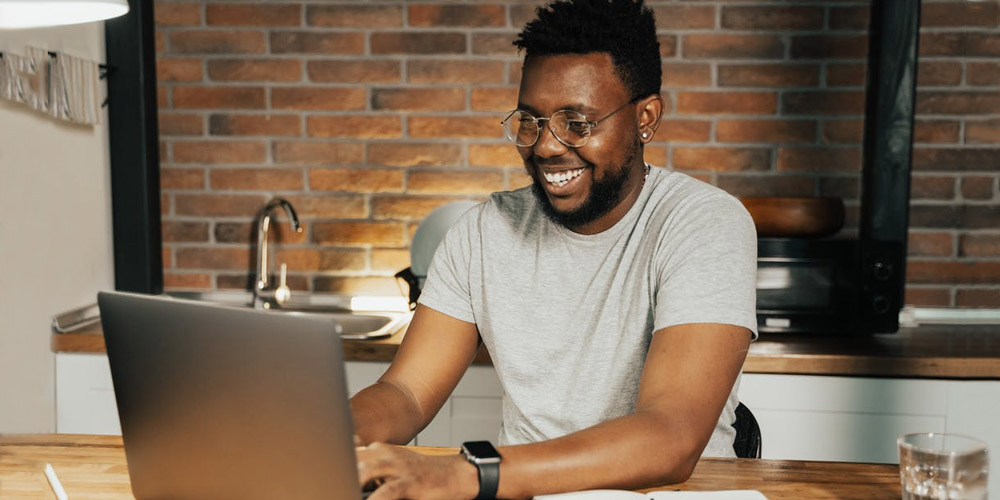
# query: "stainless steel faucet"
262,296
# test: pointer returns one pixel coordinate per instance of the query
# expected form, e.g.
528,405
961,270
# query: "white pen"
57,487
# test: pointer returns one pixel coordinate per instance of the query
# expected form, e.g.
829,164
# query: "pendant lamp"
18,14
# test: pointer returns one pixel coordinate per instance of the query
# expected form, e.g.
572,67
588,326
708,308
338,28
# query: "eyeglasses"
571,128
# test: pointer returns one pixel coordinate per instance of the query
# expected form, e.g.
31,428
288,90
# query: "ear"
649,111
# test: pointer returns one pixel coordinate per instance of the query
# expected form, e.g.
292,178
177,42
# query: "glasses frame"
591,125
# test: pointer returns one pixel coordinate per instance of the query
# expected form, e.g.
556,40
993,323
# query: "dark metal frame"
134,149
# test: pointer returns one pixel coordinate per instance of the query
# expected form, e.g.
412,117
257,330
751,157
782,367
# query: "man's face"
606,172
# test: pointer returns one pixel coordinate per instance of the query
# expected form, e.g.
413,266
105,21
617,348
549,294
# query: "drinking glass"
936,466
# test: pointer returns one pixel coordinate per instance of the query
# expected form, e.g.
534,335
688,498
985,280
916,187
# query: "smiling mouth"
562,178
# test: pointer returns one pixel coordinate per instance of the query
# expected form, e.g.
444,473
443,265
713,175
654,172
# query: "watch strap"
489,480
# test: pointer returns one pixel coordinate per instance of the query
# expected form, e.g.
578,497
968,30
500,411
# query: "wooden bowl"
796,217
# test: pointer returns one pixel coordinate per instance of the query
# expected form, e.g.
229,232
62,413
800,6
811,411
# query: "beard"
604,195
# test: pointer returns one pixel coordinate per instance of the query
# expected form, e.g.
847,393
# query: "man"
616,300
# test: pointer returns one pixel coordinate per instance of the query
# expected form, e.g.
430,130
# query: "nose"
547,145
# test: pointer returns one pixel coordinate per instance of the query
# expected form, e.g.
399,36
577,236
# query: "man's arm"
688,375
435,352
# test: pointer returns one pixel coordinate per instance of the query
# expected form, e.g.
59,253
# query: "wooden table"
93,468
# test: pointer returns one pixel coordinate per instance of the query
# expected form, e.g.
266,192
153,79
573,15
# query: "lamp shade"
16,14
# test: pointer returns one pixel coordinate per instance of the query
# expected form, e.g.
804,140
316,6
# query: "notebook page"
708,495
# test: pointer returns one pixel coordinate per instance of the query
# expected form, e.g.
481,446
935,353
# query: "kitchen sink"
353,317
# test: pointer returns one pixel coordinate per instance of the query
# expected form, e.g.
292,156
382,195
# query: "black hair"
625,29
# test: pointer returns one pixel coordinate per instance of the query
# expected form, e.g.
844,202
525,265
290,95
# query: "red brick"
212,258
245,232
454,181
978,187
520,179
255,125
246,70
403,207
766,185
930,73
733,46
932,187
956,159
159,41
726,103
683,131
218,204
309,42
927,297
165,208
220,152
844,102
846,187
177,13
318,153
376,71
979,245
494,44
684,17
494,155
455,127
982,73
361,180
217,42
255,179
183,232
653,155
849,18
819,159
369,285
768,131
302,259
327,206
409,154
941,44
724,159
318,98
978,297
982,132
417,43
178,70
936,131
958,103
521,14
354,16
187,281
845,74
360,233
418,99
182,178
197,97
162,96
768,75
687,75
772,17
253,15
390,259
235,282
177,124
668,45
980,272
842,132
983,14
829,47
357,126
450,71
457,15
495,99
164,151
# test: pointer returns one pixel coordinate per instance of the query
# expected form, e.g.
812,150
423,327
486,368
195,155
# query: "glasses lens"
570,127
521,128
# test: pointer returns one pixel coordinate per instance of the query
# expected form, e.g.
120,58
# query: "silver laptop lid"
223,403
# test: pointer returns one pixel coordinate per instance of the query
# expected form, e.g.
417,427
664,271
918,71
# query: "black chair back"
747,443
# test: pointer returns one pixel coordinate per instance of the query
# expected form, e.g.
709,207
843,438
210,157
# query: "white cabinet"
85,398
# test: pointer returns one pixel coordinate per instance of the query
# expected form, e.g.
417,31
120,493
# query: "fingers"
378,461
357,441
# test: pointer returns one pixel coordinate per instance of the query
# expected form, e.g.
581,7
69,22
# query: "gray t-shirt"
568,318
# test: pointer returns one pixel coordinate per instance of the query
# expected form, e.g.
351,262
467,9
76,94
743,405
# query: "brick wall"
367,115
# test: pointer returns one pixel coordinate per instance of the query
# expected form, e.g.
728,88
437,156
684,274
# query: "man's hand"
402,473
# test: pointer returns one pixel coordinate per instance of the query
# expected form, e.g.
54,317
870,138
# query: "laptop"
218,402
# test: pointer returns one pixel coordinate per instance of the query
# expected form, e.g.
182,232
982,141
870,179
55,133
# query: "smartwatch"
486,458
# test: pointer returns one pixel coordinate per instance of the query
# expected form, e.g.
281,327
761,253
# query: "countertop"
930,351
93,467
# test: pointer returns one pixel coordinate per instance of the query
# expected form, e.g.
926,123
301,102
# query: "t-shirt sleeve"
707,267
446,288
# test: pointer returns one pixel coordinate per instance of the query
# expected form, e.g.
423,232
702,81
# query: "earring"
645,135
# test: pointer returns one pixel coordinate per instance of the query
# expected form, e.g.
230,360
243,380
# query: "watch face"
480,449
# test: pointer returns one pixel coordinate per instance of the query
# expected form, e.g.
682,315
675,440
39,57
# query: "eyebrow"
578,107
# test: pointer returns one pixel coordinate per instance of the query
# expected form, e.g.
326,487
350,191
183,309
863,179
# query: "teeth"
562,178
